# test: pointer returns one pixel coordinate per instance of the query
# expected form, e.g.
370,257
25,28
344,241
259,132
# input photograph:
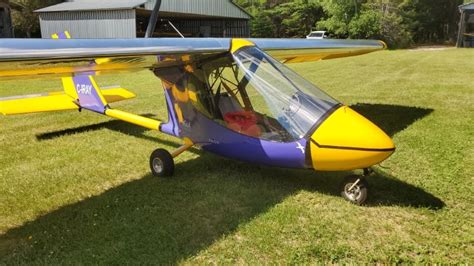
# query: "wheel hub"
353,193
157,165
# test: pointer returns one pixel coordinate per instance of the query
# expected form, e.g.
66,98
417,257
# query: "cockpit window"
288,98
253,94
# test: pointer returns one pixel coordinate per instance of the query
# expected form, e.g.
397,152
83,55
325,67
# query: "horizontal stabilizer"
54,101
37,103
116,94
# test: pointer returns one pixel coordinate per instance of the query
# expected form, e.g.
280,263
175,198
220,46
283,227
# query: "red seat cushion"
244,122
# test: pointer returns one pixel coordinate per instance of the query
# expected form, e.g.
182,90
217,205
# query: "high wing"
76,61
302,50
46,58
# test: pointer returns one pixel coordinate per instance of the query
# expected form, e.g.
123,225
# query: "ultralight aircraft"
231,97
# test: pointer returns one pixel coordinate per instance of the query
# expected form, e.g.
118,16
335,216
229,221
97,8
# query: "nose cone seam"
351,148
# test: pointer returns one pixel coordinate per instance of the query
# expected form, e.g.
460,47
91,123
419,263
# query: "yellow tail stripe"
69,88
96,87
134,119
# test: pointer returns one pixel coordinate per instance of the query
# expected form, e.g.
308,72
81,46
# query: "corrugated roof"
210,8
469,6
83,5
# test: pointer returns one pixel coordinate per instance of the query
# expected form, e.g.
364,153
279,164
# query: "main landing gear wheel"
161,163
354,189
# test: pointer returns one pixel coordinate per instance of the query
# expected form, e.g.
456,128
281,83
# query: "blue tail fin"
88,93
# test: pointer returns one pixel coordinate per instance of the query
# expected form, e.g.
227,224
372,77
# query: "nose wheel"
354,189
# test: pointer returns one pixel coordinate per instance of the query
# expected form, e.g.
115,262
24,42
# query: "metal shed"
466,26
129,18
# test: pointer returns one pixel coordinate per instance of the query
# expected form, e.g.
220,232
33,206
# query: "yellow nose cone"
346,141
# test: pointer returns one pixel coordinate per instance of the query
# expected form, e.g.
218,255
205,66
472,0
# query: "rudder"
86,91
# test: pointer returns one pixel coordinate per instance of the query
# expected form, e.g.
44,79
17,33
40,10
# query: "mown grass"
76,188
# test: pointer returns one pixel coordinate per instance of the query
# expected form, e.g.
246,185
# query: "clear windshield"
295,103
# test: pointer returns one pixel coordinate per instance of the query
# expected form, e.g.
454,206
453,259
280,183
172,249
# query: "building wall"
469,29
90,24
466,29
215,8
211,27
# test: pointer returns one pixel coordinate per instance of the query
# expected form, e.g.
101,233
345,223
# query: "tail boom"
134,119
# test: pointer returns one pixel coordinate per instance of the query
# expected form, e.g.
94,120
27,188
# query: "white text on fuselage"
84,89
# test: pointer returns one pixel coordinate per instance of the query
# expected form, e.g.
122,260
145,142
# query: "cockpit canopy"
288,98
251,93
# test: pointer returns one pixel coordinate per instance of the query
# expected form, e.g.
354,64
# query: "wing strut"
153,20
133,119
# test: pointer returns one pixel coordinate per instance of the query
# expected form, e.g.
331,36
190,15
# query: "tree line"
400,23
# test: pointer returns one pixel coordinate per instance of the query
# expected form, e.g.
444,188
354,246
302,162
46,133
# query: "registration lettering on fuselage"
84,89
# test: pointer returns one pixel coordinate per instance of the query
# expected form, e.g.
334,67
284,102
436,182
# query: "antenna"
153,19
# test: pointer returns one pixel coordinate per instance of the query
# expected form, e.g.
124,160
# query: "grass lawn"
76,188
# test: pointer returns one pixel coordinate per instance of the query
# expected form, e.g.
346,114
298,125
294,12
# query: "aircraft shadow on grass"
391,118
169,220
114,125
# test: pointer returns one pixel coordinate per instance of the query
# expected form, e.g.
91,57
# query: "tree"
367,25
381,20
301,17
398,22
339,14
431,20
261,25
282,18
394,32
25,21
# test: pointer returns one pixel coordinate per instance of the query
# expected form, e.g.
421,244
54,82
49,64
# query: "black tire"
161,163
358,194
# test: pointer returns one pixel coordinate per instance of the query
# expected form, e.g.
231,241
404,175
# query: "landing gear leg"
368,171
162,161
354,188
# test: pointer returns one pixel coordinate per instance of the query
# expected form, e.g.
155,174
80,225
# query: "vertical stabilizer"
61,35
86,92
